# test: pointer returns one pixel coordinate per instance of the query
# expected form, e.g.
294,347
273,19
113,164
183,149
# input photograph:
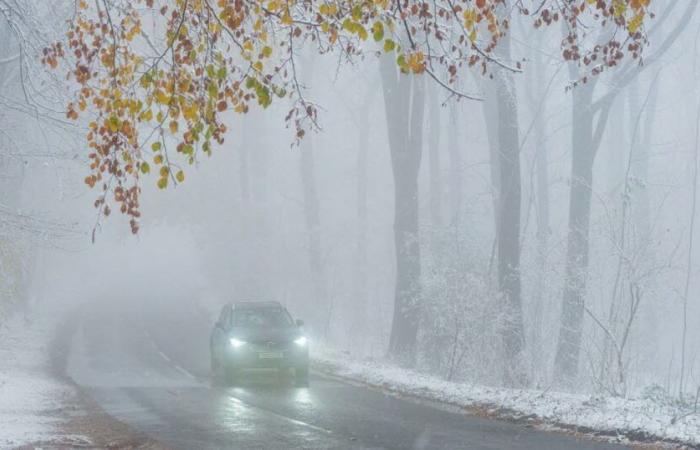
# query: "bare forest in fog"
543,235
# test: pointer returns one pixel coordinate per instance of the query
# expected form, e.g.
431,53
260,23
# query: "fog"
493,283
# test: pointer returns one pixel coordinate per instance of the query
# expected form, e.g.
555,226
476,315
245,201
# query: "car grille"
271,345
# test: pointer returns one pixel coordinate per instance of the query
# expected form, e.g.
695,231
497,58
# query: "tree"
29,101
160,97
590,116
307,172
508,219
404,105
433,143
146,93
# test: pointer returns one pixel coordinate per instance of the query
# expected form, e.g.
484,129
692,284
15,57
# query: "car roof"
256,304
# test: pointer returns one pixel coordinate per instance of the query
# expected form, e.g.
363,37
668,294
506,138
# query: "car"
258,335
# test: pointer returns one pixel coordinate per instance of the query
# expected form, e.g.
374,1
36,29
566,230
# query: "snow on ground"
640,417
31,399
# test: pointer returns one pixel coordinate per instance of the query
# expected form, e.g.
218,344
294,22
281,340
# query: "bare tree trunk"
689,265
307,172
363,125
404,105
434,156
491,120
313,223
508,220
640,166
585,142
567,356
542,207
455,169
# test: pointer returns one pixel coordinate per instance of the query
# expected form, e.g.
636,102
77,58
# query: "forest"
494,192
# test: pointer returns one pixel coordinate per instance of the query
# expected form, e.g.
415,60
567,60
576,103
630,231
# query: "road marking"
167,358
280,416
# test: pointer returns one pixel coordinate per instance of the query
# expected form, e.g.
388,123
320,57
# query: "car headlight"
235,343
301,341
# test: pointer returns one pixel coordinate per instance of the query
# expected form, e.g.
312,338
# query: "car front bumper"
251,356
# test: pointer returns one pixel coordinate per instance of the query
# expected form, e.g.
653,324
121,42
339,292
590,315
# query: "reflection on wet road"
119,356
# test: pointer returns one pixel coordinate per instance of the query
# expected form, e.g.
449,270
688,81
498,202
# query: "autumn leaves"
156,94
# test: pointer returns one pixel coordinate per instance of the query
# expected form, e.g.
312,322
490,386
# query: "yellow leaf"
273,5
389,45
161,97
362,33
180,176
190,112
114,124
635,23
173,126
469,18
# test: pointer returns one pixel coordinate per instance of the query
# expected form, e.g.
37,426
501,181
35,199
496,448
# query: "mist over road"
149,369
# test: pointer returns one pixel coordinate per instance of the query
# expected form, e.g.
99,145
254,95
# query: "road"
154,378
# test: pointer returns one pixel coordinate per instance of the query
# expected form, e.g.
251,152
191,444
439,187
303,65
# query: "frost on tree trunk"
404,106
508,230
455,166
589,121
501,114
583,151
434,157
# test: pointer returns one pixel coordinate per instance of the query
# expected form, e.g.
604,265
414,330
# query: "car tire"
301,375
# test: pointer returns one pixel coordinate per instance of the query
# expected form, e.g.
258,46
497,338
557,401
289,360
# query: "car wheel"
302,376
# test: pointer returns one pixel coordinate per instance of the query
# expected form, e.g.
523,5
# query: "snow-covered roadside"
630,418
32,400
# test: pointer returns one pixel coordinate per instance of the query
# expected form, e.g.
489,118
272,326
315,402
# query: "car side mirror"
300,323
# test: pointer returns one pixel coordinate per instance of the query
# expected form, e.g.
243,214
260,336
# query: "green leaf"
378,31
145,168
213,90
263,94
362,33
401,61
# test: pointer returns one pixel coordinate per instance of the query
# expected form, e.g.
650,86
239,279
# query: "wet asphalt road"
155,380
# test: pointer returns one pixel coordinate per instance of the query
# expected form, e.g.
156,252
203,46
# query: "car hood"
266,334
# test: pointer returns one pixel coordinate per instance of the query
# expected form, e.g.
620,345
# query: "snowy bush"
459,337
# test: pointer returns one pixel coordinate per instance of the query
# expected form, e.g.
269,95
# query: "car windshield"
261,318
